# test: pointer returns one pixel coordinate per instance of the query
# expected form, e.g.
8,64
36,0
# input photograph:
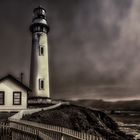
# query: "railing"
35,131
5,131
20,114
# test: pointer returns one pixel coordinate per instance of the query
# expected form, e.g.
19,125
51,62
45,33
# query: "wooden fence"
5,131
26,130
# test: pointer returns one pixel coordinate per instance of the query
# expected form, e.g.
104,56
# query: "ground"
80,119
5,115
128,121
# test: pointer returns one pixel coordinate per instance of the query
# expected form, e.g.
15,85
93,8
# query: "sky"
94,46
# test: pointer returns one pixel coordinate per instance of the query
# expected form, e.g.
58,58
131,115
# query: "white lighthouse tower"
39,75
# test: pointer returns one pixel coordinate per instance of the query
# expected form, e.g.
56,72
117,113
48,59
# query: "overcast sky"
94,46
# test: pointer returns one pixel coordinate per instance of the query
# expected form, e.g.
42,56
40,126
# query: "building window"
16,98
2,94
41,84
41,50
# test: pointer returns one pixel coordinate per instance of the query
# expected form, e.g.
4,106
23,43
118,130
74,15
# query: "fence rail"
20,129
5,131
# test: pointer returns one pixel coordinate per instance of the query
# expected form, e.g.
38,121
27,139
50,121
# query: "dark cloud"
92,44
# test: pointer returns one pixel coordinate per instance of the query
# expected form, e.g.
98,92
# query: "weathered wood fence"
26,130
5,131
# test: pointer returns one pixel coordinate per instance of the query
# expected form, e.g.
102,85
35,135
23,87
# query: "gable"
10,85
12,82
12,101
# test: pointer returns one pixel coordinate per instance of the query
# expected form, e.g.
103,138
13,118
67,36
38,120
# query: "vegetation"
80,119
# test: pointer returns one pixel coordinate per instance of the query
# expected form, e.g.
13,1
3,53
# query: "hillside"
133,105
80,119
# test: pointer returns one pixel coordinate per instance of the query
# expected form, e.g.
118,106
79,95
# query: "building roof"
39,7
12,78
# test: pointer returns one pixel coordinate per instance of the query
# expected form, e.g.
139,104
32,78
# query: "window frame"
20,97
3,99
41,50
41,83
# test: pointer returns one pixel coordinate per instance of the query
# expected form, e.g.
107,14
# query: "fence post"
62,137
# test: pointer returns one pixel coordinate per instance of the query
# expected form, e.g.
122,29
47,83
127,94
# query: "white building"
39,75
13,94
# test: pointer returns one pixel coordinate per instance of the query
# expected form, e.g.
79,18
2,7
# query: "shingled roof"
12,78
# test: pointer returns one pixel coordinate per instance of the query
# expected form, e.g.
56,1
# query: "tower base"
39,102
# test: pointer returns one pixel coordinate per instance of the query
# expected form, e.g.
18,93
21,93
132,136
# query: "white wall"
9,87
39,65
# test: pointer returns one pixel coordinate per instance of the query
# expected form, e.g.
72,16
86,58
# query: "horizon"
113,101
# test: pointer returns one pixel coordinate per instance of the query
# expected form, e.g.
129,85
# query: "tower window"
41,84
35,28
41,51
16,98
38,28
44,29
2,97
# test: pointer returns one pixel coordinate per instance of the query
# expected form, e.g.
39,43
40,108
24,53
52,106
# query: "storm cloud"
94,46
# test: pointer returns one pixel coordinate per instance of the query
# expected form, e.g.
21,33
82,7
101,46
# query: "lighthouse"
39,73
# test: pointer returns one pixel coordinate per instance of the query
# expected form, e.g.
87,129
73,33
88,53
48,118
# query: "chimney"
21,77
